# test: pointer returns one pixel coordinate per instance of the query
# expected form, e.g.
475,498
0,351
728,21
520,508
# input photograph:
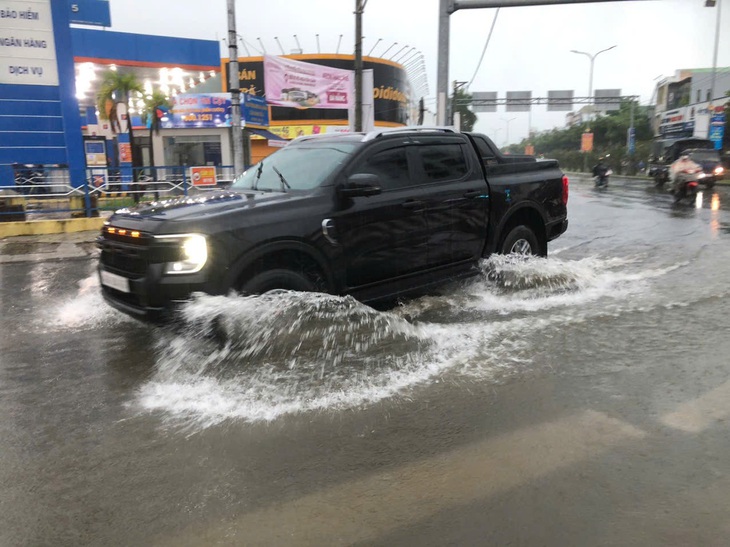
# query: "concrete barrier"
55,226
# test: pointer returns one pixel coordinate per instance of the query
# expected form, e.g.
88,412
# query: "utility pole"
359,9
718,6
234,84
457,87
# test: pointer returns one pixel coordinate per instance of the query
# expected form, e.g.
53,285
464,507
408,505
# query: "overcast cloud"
530,48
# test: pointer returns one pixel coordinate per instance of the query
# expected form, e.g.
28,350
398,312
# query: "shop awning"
266,134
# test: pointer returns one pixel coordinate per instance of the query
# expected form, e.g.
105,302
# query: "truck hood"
194,208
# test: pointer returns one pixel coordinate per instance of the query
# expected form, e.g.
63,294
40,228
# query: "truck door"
457,199
385,235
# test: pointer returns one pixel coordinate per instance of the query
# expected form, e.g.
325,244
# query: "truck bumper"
154,296
557,229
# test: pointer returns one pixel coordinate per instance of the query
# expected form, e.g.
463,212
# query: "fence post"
87,197
185,180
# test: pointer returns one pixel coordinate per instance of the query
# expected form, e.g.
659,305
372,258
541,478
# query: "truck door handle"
470,194
414,204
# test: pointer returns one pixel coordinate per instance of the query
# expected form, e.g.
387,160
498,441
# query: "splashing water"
288,352
86,309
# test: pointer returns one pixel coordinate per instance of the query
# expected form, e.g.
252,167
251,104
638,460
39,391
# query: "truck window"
485,152
390,165
442,162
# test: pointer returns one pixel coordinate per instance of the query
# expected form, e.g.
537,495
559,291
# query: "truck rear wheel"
520,240
278,279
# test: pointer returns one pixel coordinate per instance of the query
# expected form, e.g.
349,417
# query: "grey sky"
530,48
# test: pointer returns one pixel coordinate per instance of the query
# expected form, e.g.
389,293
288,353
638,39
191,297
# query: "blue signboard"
717,129
90,12
631,139
192,110
39,114
254,111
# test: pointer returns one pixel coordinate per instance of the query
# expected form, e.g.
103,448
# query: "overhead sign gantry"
446,8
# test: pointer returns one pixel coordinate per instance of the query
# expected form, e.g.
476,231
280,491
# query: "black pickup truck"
375,216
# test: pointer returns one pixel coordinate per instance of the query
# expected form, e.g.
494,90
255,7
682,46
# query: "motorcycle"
686,184
601,181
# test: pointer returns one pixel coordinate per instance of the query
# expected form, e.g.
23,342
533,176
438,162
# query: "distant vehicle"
667,151
711,164
375,216
685,175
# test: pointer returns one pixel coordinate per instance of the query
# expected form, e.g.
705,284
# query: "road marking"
697,415
365,509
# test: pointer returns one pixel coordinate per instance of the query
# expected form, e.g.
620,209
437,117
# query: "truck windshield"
295,167
705,155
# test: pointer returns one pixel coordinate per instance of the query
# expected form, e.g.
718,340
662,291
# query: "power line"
489,37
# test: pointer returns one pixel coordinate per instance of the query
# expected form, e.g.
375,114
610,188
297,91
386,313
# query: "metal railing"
48,192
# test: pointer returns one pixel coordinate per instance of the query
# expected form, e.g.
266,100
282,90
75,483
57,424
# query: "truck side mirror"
361,185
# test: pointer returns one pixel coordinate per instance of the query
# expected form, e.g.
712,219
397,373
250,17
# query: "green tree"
117,88
467,117
152,104
609,137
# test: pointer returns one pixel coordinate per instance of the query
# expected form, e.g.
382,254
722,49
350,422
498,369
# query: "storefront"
174,66
391,98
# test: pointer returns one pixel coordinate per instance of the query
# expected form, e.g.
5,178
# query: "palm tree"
153,107
117,88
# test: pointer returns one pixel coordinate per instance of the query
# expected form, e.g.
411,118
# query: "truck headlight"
193,253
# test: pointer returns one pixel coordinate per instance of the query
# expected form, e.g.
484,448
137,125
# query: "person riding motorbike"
601,172
682,171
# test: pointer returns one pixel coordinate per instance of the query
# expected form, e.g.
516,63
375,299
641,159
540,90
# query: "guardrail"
48,191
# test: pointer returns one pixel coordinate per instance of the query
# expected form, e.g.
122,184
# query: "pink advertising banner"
305,85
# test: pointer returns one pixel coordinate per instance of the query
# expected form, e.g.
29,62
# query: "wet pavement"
580,399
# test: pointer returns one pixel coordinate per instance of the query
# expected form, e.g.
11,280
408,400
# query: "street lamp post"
592,58
507,122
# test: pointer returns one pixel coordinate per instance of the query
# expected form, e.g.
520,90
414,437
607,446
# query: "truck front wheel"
278,279
520,240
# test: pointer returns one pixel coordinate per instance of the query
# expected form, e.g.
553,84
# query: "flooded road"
580,399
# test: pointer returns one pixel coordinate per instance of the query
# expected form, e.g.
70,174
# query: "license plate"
114,281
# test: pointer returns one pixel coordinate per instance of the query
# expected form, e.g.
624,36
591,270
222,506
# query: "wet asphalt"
581,399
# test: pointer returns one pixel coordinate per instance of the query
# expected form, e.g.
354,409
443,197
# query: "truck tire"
520,240
278,279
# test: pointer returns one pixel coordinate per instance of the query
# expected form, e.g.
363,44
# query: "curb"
53,226
723,182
